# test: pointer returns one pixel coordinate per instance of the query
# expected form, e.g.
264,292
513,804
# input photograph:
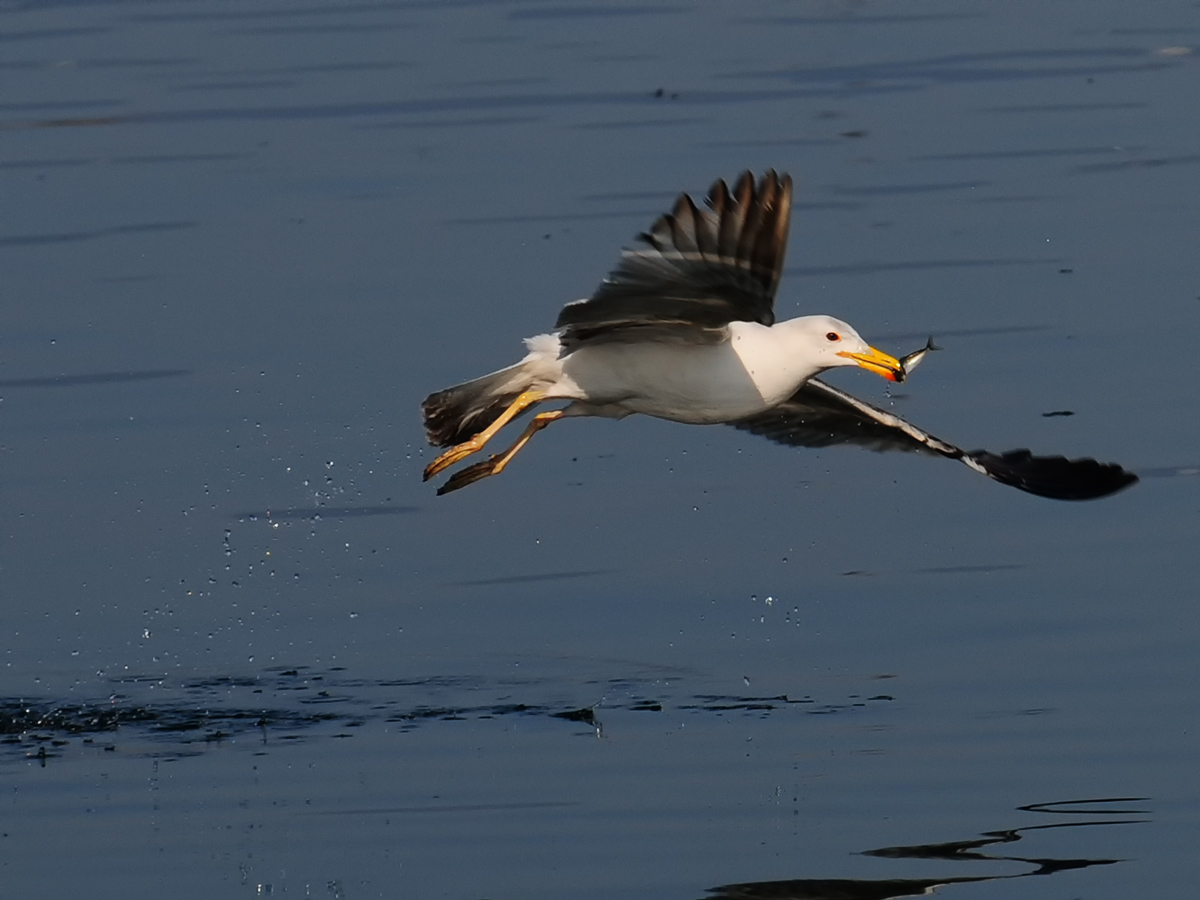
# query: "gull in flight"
684,329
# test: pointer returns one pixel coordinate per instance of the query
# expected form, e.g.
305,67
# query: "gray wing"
700,270
819,415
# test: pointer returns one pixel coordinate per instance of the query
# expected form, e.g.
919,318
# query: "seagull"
684,329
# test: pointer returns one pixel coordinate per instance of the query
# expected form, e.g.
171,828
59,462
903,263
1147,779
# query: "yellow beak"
878,362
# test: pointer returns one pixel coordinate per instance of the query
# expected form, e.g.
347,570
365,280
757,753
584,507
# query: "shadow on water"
92,378
950,851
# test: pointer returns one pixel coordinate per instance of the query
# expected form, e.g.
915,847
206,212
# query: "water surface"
246,651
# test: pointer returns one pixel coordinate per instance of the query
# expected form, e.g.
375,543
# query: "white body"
756,368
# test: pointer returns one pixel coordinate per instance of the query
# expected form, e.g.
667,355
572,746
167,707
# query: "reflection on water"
290,714
296,704
950,851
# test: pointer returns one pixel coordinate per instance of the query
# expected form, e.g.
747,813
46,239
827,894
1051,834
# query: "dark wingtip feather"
1055,477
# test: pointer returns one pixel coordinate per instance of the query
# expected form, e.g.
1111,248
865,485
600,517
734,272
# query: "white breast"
700,384
777,358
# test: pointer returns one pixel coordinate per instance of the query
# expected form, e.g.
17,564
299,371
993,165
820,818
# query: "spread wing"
819,415
700,270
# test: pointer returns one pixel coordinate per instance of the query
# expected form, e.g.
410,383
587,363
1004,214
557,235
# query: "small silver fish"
910,361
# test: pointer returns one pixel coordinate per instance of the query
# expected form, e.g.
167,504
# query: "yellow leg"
494,465
466,448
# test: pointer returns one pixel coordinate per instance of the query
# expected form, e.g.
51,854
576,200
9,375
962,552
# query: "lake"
247,652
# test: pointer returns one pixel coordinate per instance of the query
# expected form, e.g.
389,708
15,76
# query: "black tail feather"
459,413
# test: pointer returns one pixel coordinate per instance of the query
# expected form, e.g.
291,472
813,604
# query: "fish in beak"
910,361
878,362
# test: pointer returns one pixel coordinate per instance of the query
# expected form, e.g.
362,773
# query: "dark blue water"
245,651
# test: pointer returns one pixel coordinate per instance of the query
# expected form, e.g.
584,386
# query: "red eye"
833,336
